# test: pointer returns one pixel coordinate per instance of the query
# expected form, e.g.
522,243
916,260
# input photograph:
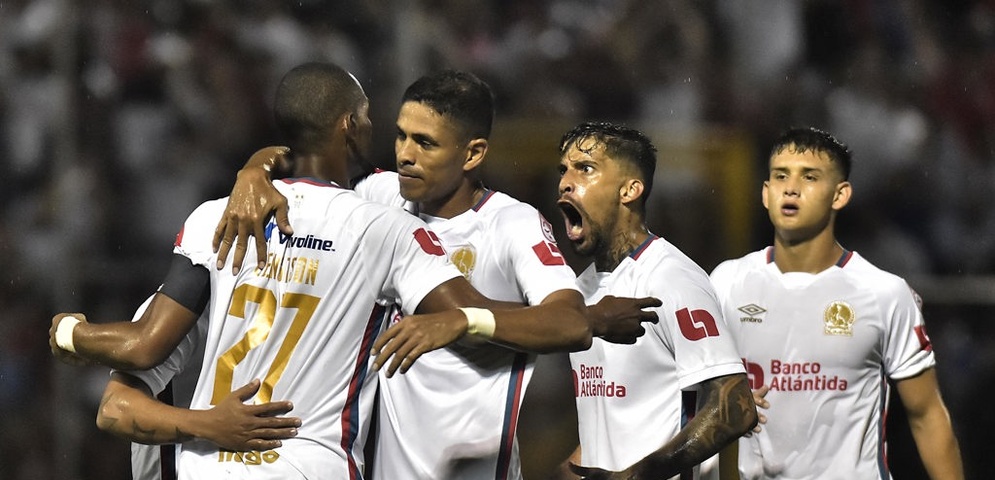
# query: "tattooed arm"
129,410
726,413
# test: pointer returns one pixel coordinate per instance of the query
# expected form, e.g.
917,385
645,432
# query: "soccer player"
304,323
454,414
825,330
634,402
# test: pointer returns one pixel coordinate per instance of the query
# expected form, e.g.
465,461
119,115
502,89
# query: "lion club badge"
839,319
465,258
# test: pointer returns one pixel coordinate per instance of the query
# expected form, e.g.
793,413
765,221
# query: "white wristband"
64,333
480,322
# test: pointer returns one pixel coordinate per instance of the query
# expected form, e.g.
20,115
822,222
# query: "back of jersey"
304,324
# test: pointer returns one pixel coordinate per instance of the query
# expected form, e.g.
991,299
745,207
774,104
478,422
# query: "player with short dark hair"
454,414
822,331
635,410
304,323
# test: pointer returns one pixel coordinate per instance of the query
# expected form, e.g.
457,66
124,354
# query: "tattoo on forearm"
108,421
725,413
141,433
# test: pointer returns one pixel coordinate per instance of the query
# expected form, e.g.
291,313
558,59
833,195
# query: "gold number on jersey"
262,323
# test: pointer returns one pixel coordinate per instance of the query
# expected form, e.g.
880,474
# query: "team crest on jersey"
752,312
547,229
839,319
464,258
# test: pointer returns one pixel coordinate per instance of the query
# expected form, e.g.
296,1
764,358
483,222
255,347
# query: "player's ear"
842,195
631,190
476,150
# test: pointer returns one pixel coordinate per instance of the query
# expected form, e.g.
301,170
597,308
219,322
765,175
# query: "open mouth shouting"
573,220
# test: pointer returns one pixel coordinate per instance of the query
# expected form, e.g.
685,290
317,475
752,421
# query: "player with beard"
635,403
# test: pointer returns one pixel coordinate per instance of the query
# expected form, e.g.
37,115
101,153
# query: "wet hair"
461,96
620,143
804,140
309,99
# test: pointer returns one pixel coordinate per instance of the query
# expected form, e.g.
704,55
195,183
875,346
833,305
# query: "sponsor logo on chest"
589,381
753,313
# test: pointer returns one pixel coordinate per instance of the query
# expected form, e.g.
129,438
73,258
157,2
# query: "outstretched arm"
253,200
930,425
726,414
129,410
125,345
558,323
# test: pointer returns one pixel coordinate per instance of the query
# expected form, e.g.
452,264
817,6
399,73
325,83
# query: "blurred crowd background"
118,117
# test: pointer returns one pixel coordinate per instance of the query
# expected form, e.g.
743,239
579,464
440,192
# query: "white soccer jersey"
173,383
304,324
630,397
826,344
455,412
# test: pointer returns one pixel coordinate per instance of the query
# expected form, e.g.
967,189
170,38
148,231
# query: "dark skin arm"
138,345
726,414
558,323
129,410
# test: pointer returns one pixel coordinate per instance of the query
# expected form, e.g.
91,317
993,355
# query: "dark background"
118,117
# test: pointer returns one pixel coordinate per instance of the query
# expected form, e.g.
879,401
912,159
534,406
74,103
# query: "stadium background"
118,117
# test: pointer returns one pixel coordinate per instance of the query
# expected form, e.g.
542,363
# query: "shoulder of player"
664,265
209,210
889,289
738,266
862,271
379,179
501,210
497,203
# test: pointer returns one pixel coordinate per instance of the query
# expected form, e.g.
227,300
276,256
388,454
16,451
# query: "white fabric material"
827,370
305,324
454,413
629,397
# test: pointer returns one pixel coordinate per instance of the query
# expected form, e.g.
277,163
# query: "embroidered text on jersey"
310,242
793,376
589,381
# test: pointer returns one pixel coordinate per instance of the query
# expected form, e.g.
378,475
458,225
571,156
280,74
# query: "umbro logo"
751,311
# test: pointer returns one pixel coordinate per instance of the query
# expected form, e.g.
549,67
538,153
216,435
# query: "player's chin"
411,190
582,246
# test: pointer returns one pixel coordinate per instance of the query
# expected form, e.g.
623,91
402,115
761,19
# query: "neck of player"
812,255
317,166
462,199
623,242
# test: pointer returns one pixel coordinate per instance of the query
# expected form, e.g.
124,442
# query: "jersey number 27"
262,323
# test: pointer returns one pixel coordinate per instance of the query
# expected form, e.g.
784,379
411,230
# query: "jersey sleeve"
721,279
531,252
417,260
907,349
691,324
194,239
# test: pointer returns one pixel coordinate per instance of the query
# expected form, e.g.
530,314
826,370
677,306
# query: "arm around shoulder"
136,345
